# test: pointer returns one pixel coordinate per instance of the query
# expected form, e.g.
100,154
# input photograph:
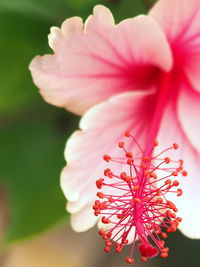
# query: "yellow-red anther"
159,200
121,144
110,175
127,134
164,255
175,183
143,166
171,229
100,194
106,172
95,207
129,161
104,205
167,160
108,243
104,237
143,259
157,230
136,200
102,232
146,173
168,213
123,175
176,223
168,181
184,173
164,235
107,158
161,243
136,188
158,193
128,179
109,234
110,199
129,155
179,169
119,248
175,209
179,192
155,143
99,183
120,216
166,249
105,220
173,215
107,249
146,159
97,212
129,260
153,175
97,202
175,146
179,219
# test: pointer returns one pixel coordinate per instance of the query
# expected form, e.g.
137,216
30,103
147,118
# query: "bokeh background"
34,226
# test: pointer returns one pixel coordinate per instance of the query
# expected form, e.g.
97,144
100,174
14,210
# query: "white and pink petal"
189,114
83,219
188,204
102,127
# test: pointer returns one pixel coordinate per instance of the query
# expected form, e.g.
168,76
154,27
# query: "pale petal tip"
34,63
72,25
84,219
104,14
190,233
54,34
70,194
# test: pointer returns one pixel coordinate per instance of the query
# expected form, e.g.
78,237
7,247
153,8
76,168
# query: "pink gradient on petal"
101,60
183,32
178,18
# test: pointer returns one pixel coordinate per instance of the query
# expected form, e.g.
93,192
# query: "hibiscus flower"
141,75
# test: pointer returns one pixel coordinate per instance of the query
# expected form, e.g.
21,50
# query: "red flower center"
133,205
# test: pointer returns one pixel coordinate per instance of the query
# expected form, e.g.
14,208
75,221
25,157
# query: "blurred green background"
33,133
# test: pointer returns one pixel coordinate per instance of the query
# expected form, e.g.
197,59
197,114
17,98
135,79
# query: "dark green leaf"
31,159
20,40
47,9
123,9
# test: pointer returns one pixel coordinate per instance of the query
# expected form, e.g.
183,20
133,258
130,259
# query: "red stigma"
134,204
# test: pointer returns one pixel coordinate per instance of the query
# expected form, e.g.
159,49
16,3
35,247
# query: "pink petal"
94,63
189,115
188,204
180,21
100,133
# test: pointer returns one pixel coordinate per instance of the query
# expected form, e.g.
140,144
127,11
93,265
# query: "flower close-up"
140,75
